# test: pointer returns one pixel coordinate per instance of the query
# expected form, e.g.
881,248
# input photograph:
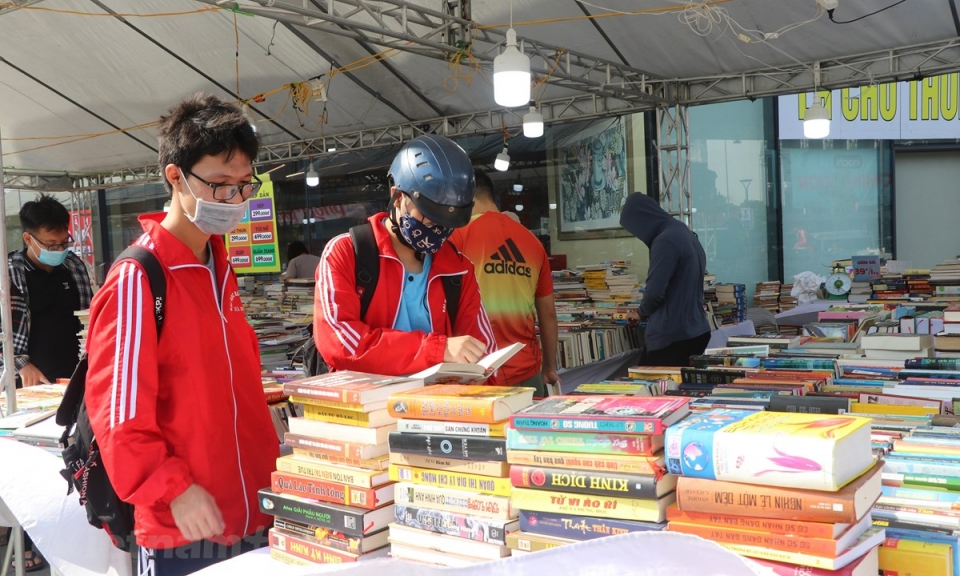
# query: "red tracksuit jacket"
372,345
189,409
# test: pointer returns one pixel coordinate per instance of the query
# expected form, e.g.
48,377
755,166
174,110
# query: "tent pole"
7,378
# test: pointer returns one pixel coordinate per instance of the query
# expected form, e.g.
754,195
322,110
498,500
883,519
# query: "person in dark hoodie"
672,302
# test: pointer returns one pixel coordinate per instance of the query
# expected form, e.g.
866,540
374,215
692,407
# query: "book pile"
787,490
568,286
918,282
860,292
84,317
448,456
787,300
767,295
610,282
585,467
731,306
897,346
946,274
332,498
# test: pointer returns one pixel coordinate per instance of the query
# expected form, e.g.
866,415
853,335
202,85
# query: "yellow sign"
252,247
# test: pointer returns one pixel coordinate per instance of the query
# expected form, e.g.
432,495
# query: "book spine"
597,506
784,569
635,425
307,511
915,467
799,558
337,448
736,499
326,403
459,501
942,482
460,409
809,404
455,480
408,426
286,483
640,445
531,543
900,556
815,546
934,363
274,396
454,524
380,464
600,463
321,536
321,393
923,495
706,376
288,559
336,416
580,482
307,550
580,527
320,471
446,446
821,530
494,469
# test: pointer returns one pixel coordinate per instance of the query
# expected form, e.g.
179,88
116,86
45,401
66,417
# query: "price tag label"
865,268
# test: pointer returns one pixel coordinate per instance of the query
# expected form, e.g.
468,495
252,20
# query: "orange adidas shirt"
512,270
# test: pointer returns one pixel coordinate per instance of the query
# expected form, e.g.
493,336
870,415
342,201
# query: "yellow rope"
124,15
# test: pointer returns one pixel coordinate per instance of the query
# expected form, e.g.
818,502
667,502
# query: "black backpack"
83,465
367,273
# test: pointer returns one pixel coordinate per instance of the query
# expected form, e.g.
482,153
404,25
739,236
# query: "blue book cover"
688,443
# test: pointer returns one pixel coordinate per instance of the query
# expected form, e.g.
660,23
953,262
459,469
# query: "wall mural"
593,179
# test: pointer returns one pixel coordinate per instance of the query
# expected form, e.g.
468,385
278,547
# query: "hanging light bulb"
518,185
511,75
533,123
503,160
248,114
312,177
816,121
518,207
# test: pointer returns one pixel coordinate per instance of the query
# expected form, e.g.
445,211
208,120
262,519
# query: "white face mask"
215,217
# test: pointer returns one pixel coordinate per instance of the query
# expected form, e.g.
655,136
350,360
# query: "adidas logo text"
507,268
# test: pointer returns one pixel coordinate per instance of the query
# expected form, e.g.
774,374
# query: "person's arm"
30,375
547,319
345,341
663,262
122,393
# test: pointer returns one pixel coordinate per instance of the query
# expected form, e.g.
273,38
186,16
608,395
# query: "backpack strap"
158,282
367,268
452,286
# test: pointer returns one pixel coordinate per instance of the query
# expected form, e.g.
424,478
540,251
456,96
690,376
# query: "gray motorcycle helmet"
437,175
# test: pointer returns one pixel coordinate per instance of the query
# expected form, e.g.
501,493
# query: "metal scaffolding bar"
673,155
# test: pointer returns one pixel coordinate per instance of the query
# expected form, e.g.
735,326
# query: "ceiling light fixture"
518,186
519,207
313,178
533,123
503,160
511,72
816,118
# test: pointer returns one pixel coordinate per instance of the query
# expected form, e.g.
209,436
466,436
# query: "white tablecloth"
636,554
36,495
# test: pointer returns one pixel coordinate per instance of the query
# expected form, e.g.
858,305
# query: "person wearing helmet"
406,328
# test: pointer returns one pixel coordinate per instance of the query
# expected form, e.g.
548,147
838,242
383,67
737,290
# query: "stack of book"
787,300
786,489
731,306
332,498
448,457
897,347
585,467
767,295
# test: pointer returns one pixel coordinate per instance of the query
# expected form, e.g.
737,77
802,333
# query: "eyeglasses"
59,247
228,191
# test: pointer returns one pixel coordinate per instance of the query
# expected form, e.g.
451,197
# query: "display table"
805,313
606,369
35,496
719,337
636,554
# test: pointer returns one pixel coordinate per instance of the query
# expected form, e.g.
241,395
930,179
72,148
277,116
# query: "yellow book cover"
338,405
331,472
460,403
287,558
789,450
896,409
378,463
870,539
595,506
529,542
457,480
913,558
374,419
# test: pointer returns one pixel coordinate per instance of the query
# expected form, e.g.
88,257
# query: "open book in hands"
464,373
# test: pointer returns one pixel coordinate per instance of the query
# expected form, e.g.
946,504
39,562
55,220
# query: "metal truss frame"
673,155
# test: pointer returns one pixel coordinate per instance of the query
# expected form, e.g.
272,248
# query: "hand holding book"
466,349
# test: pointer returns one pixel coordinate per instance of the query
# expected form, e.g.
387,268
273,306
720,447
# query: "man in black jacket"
672,302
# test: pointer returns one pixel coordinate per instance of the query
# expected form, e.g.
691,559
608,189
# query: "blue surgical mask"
52,257
422,238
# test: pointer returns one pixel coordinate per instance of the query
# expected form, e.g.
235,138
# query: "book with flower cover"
603,414
349,387
460,403
792,450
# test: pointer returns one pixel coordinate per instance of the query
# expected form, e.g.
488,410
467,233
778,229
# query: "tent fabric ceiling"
64,74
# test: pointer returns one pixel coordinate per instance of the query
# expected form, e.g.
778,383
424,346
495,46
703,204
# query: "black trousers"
678,353
193,557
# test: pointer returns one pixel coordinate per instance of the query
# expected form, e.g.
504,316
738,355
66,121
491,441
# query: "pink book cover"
606,407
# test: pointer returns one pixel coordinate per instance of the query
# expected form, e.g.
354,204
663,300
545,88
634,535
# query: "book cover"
457,480
604,463
848,505
405,535
411,426
577,527
866,565
533,542
368,498
332,538
455,402
592,482
868,540
603,414
350,387
347,519
598,506
464,373
481,467
378,463
372,419
453,500
303,548
771,448
341,432
336,448
900,556
448,446
460,525
587,443
771,525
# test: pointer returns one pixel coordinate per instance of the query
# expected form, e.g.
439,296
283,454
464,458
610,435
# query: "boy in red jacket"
407,328
181,421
